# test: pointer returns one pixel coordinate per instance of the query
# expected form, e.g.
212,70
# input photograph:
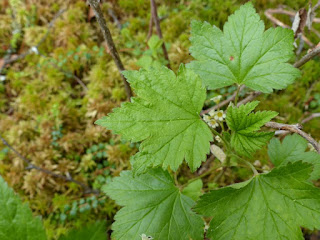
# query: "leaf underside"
243,53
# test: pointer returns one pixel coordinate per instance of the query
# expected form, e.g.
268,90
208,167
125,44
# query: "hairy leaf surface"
243,53
16,219
270,206
165,116
292,149
152,206
244,125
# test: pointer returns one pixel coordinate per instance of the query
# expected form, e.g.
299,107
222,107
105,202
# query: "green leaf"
268,207
243,53
165,116
16,219
154,42
152,206
96,231
193,190
244,125
293,149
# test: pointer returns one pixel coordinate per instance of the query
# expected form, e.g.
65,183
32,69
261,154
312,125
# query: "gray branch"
296,128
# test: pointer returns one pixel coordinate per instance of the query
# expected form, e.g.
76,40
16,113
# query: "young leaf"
293,149
16,220
193,190
152,206
244,125
243,53
96,231
268,207
165,116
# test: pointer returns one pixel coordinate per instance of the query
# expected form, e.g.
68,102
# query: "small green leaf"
293,149
244,125
268,207
154,42
153,206
165,116
16,220
96,231
243,53
193,190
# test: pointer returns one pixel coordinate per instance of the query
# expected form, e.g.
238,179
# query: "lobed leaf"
152,206
268,207
165,117
293,149
16,219
244,125
243,53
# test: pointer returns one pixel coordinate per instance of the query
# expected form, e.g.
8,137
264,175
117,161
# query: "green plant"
165,117
160,199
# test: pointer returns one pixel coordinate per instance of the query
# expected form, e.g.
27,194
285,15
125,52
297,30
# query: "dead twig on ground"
10,60
30,166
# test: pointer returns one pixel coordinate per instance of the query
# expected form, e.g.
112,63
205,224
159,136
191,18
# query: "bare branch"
223,103
269,15
307,57
312,116
157,24
112,48
30,166
252,96
114,17
150,27
296,128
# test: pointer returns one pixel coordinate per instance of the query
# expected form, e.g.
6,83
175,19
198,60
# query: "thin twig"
307,57
223,103
315,7
30,166
150,27
296,128
30,50
81,83
249,98
290,13
158,29
114,17
268,14
112,48
312,116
